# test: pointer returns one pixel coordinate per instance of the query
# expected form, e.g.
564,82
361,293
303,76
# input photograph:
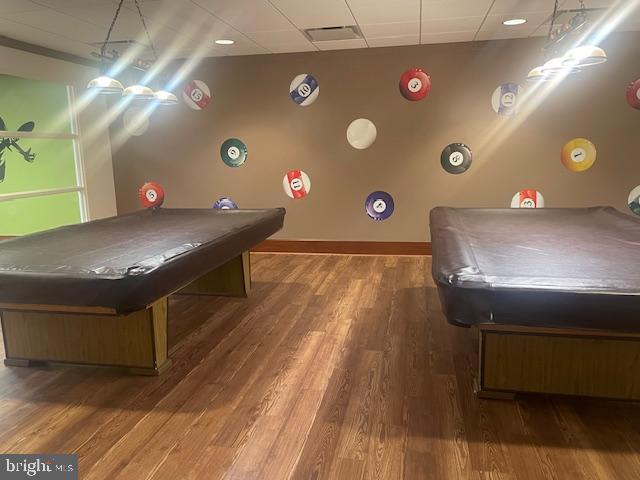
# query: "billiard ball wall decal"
379,205
151,195
456,158
578,155
196,95
634,200
233,152
225,203
361,133
135,121
633,94
296,184
527,198
504,100
415,84
304,89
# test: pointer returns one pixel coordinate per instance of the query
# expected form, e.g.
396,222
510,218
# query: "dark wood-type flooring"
337,367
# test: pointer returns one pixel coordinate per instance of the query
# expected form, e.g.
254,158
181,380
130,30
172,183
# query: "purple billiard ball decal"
225,203
379,205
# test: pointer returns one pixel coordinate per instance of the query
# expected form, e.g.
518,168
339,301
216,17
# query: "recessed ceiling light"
514,21
225,41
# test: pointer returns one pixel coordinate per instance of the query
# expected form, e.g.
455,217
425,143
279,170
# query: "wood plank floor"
337,367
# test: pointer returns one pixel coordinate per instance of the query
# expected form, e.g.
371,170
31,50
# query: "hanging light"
105,85
557,67
164,97
138,92
585,56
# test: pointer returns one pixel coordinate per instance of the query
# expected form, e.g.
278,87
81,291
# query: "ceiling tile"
342,44
283,41
381,11
444,25
454,9
394,41
512,7
310,14
53,21
36,36
390,29
449,37
17,6
247,15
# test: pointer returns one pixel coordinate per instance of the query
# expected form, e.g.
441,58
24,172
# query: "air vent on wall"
327,34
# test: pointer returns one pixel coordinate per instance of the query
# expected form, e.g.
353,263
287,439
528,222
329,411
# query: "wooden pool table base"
518,359
36,335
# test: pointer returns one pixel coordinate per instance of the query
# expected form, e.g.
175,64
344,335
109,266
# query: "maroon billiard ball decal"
415,84
196,95
633,94
151,195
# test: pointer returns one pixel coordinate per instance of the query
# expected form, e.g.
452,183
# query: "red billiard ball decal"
633,94
527,198
196,94
296,184
151,195
415,84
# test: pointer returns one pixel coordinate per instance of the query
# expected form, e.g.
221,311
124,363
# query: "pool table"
96,293
554,294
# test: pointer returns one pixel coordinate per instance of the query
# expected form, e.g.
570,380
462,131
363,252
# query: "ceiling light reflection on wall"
225,41
512,22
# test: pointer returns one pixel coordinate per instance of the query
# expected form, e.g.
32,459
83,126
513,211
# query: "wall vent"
328,34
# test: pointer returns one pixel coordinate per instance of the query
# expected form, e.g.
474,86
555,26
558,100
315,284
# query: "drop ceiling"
183,28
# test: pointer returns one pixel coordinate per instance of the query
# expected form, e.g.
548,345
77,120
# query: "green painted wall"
45,104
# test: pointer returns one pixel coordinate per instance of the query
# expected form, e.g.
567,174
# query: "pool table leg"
233,279
137,341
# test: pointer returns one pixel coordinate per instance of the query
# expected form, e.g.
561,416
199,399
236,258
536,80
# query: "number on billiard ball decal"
379,205
304,89
151,195
296,184
415,84
456,158
527,198
578,155
504,100
196,94
233,152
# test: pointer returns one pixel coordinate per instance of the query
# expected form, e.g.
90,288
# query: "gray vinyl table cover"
127,262
551,267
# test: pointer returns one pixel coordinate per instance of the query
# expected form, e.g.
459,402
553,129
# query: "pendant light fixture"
105,84
574,60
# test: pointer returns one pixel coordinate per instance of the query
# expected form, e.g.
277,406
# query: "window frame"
78,159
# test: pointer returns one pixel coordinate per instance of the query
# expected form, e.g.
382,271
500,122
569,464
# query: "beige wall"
251,102
95,147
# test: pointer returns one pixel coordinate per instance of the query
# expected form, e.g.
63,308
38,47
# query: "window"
41,176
